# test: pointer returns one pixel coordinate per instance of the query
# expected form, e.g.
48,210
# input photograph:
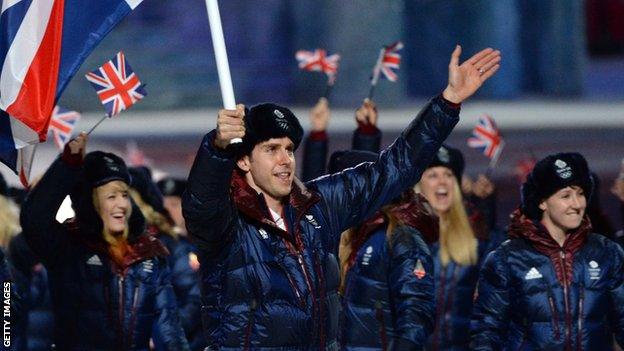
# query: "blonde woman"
458,253
109,281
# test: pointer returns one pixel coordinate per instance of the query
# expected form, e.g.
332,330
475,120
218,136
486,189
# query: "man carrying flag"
268,243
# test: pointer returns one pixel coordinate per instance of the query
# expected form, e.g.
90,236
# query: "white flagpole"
223,67
376,72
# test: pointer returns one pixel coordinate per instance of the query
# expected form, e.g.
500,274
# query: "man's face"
271,167
565,208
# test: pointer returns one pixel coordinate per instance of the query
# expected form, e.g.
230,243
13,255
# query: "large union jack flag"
487,137
318,60
62,124
117,86
391,60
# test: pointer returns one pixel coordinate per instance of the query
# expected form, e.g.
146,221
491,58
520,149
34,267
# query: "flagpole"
223,67
494,160
331,80
97,124
376,71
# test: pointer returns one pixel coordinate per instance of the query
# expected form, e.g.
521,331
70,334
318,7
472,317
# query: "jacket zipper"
580,319
321,286
566,301
440,305
555,315
382,327
135,298
121,310
250,323
300,299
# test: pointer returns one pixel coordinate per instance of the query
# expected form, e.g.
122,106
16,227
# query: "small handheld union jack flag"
62,124
487,137
117,86
318,61
390,61
387,64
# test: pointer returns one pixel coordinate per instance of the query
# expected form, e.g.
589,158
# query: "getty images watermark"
6,314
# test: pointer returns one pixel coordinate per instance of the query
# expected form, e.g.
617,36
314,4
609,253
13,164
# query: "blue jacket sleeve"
412,293
490,311
45,236
167,326
616,294
206,204
365,141
186,287
314,158
357,193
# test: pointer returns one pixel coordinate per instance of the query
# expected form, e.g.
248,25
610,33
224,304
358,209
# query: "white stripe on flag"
8,3
25,157
133,3
22,51
22,135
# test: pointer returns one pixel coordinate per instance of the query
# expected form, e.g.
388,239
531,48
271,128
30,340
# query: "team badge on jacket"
263,233
313,221
419,270
594,270
367,256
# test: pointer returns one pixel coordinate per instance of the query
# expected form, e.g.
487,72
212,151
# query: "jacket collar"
253,204
533,231
143,246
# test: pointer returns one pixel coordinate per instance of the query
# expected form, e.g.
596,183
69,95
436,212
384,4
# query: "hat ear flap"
530,199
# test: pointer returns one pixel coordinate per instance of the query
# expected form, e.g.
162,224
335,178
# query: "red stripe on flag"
35,101
392,59
120,87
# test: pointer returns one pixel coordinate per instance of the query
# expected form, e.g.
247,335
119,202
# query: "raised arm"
316,143
206,205
366,136
355,194
43,233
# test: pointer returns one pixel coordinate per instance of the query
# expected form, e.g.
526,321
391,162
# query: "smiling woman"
554,284
112,203
109,280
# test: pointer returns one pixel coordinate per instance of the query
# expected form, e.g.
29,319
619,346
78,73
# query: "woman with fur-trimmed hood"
109,281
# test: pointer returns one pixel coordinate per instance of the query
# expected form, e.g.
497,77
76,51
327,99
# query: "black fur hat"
172,186
103,167
266,121
142,182
551,174
340,160
450,158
